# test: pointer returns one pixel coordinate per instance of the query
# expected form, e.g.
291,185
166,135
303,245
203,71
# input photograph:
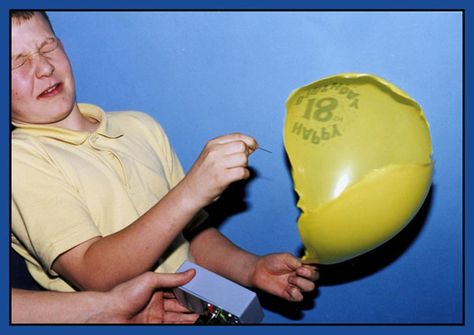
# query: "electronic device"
217,299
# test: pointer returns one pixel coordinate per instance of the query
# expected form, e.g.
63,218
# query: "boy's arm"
217,253
280,274
103,262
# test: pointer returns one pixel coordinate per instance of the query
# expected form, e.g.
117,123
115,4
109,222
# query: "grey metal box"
210,293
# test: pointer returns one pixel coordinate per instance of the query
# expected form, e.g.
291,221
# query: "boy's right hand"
223,161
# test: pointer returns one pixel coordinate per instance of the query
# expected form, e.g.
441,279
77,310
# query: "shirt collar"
74,137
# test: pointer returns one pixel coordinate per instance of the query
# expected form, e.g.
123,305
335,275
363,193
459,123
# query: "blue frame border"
244,5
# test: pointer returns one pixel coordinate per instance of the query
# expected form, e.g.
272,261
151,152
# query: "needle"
264,150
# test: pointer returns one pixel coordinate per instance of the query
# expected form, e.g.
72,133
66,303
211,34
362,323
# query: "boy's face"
42,89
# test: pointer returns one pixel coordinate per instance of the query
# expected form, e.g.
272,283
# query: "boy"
99,198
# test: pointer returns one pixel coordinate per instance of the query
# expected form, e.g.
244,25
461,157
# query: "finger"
249,141
173,305
237,173
301,283
236,160
308,271
180,318
169,295
291,261
235,147
159,280
294,294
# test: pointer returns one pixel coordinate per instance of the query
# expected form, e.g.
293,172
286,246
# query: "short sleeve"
48,215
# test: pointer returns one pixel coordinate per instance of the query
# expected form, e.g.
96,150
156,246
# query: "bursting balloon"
360,152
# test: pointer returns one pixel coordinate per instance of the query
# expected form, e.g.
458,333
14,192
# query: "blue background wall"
203,74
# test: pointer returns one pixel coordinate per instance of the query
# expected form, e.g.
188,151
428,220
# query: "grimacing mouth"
50,90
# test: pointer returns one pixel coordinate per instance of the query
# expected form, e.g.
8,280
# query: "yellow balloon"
360,151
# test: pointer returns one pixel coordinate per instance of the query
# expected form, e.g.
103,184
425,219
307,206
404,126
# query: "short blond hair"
24,15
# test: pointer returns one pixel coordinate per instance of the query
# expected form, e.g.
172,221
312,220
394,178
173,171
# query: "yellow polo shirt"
69,186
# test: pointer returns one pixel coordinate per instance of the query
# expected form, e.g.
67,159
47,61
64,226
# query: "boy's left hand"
284,275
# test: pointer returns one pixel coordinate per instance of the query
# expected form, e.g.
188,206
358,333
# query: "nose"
43,67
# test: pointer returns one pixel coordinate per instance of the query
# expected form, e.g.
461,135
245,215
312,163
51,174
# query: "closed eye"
19,61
